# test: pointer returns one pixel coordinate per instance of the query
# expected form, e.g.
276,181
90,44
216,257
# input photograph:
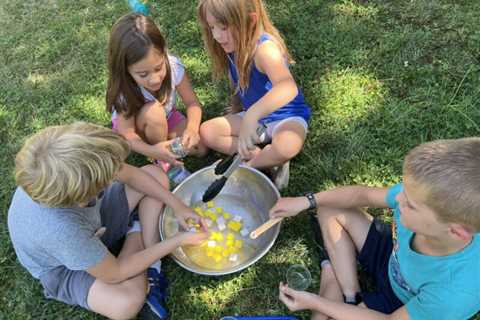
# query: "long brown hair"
132,36
236,15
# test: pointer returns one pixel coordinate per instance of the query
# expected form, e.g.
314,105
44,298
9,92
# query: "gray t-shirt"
45,238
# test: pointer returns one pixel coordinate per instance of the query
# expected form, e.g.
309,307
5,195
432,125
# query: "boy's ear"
463,232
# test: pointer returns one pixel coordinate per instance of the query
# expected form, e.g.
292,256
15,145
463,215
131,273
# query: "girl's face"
221,33
150,71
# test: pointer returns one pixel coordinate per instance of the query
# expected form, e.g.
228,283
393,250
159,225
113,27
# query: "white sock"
157,265
324,263
135,228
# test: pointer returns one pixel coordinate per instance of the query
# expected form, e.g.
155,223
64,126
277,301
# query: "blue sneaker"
158,282
155,306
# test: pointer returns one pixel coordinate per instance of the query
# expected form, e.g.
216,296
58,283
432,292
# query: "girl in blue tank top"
243,44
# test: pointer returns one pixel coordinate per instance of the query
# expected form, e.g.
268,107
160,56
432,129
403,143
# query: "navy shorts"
72,286
374,258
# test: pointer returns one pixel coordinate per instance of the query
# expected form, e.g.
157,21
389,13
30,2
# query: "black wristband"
311,199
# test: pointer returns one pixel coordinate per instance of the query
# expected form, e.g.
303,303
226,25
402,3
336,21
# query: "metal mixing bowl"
248,193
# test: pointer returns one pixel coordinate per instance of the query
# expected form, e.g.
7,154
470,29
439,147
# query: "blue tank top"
259,85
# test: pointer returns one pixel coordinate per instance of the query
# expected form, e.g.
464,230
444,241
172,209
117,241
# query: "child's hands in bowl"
185,214
193,238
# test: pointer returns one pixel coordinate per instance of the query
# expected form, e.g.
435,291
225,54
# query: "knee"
158,174
152,114
207,134
129,304
326,217
286,151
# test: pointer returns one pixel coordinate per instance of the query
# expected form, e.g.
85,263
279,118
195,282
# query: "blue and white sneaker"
154,308
156,305
158,282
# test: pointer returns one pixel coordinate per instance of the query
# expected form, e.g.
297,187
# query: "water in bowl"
232,246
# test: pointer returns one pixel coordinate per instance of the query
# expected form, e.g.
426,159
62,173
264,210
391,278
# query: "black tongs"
225,168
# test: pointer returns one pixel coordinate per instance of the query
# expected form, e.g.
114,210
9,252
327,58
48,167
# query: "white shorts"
272,126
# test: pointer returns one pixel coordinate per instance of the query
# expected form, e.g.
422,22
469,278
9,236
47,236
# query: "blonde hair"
449,171
63,166
236,15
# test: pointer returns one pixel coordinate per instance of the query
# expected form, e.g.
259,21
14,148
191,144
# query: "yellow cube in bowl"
234,225
238,244
210,214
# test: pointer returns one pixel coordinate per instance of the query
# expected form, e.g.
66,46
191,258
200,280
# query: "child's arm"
114,270
191,136
146,184
301,300
269,60
342,197
161,151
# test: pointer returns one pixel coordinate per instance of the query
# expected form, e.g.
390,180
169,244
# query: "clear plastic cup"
298,277
177,147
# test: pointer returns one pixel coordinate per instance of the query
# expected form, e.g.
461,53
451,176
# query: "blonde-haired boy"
426,266
68,218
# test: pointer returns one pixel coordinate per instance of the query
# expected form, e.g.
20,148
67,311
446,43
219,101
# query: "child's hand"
288,207
193,238
163,153
190,138
247,137
296,300
185,213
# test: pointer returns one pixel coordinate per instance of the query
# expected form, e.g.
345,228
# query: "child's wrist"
192,126
251,115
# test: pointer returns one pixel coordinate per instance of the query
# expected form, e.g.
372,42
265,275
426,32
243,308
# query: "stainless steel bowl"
248,193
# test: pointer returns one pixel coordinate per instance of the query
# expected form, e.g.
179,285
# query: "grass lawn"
381,76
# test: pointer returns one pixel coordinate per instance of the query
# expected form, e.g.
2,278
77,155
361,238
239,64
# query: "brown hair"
64,166
132,36
235,14
449,171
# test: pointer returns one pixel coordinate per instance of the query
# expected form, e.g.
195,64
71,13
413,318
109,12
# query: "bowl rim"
239,267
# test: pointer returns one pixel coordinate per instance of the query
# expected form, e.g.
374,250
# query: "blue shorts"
72,286
373,258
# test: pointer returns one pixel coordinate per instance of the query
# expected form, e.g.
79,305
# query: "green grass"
381,76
